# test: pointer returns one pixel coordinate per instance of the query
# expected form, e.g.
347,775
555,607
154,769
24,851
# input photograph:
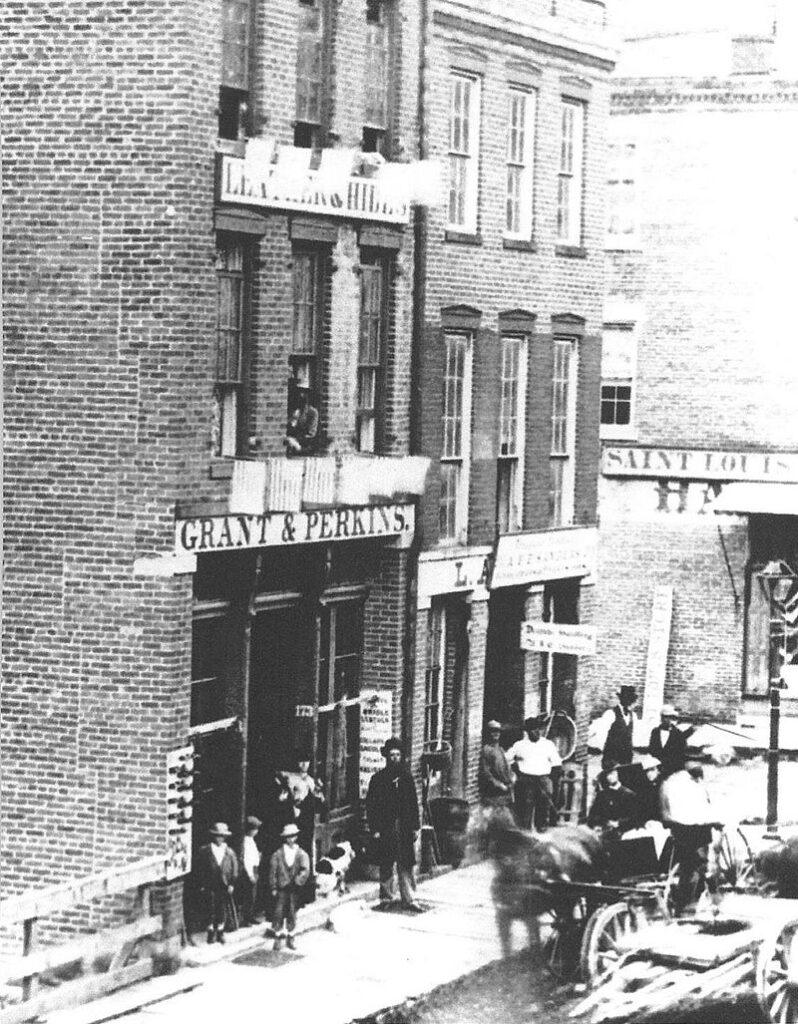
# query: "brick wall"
713,274
109,302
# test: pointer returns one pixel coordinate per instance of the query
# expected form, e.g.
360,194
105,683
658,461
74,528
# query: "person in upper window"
614,807
619,723
668,742
301,433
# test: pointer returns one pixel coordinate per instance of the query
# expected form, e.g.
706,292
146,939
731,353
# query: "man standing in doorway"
392,814
619,723
495,777
533,759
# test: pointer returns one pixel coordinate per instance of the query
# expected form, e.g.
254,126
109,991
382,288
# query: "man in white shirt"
688,811
250,872
532,759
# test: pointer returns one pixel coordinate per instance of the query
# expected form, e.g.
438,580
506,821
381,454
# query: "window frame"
464,156
523,164
377,77
374,265
562,456
570,172
309,124
230,388
434,674
514,460
311,356
456,441
610,377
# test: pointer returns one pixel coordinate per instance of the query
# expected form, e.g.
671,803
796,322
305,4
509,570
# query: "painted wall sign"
275,529
647,499
376,720
559,638
699,464
548,555
453,574
242,181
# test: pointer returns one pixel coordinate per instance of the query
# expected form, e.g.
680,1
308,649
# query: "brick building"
209,494
699,377
509,317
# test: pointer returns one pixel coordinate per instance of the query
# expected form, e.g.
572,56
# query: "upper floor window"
234,89
230,344
621,196
463,151
456,451
305,385
520,155
310,75
563,433
570,178
375,115
512,427
618,369
374,312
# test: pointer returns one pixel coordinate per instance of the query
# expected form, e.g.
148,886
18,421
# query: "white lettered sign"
558,638
376,717
699,464
270,529
546,555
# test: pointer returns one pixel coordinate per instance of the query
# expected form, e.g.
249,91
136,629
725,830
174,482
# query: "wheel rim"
777,991
604,942
734,858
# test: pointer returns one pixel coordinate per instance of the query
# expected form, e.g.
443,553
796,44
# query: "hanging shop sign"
376,717
284,529
558,638
523,558
699,464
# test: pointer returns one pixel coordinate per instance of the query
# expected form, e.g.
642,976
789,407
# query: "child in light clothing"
289,869
250,872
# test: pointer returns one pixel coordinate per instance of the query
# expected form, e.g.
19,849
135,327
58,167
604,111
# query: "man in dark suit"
217,870
614,807
393,819
668,743
619,722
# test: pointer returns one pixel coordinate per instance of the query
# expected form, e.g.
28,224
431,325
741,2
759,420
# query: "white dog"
332,869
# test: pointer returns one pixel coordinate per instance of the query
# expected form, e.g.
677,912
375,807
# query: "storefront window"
207,667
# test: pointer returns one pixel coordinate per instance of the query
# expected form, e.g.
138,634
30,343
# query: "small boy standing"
217,869
289,870
250,871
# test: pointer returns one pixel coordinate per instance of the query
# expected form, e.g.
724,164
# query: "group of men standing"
517,785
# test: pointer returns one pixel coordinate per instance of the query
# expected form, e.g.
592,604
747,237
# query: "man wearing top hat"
619,722
668,743
393,819
533,759
217,870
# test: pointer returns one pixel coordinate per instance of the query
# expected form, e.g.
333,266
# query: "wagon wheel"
606,940
561,948
734,861
777,975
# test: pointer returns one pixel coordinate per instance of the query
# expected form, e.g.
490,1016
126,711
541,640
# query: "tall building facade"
697,582
515,106
210,499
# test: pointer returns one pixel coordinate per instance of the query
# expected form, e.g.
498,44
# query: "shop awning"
758,499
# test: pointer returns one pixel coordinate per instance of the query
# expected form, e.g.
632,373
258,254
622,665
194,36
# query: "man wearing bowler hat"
668,743
217,871
392,814
303,423
619,722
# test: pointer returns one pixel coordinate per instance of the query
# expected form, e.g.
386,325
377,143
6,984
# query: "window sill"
576,252
623,245
463,237
519,244
221,469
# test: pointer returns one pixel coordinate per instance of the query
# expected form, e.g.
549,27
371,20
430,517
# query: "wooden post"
30,942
